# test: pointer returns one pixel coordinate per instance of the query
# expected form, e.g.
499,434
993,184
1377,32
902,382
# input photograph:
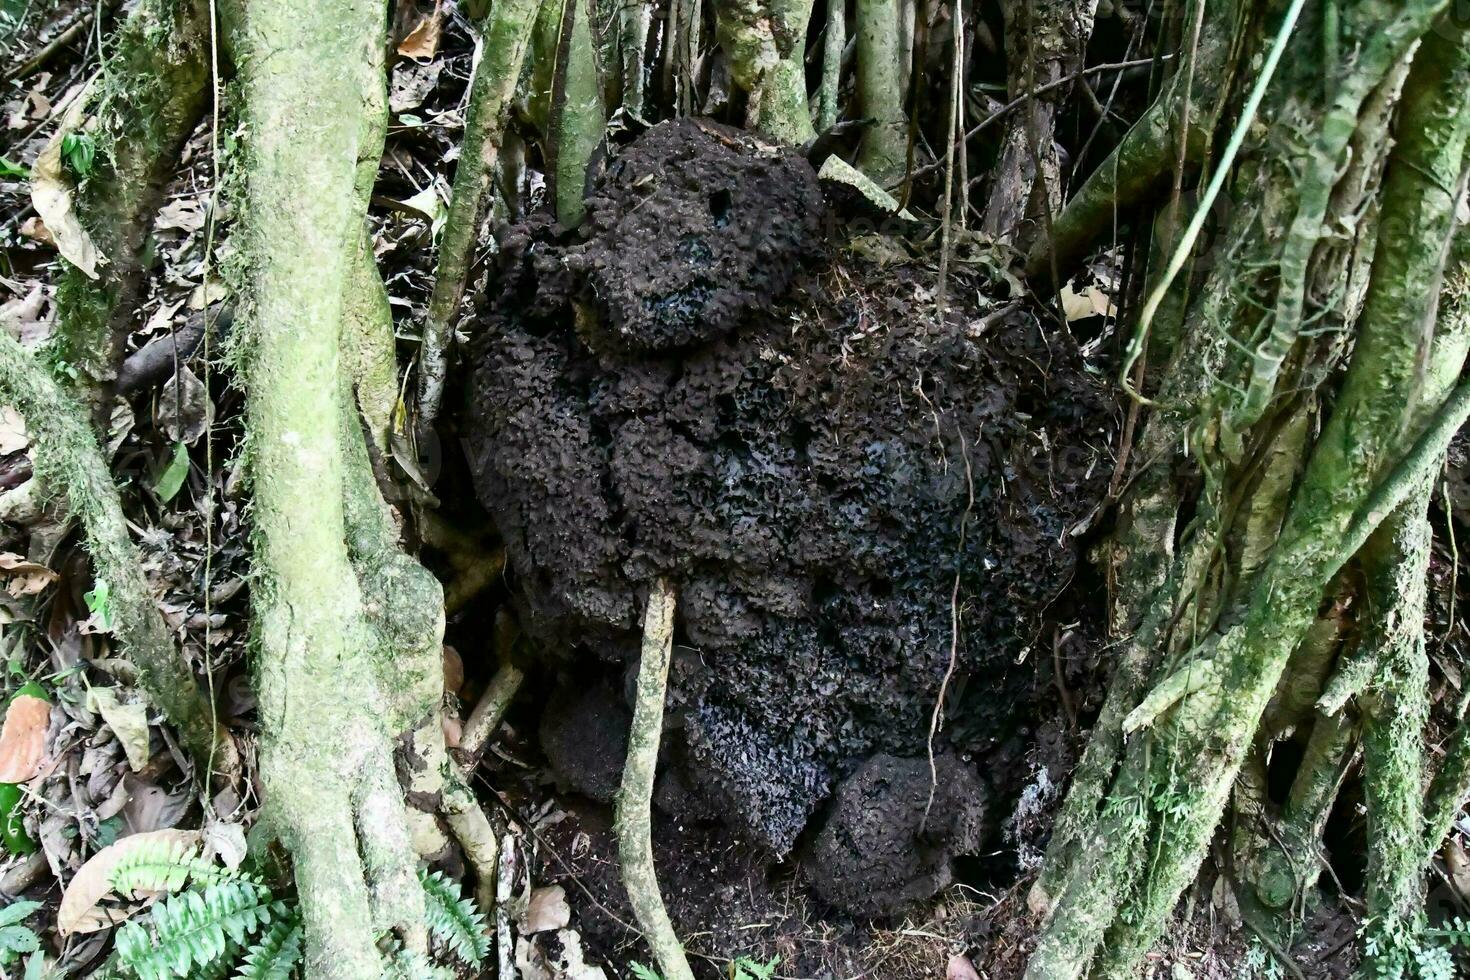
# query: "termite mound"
856,496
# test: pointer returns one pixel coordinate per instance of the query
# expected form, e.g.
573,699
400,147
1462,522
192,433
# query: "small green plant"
745,968
218,922
80,153
9,169
644,972
99,603
17,939
454,922
1396,953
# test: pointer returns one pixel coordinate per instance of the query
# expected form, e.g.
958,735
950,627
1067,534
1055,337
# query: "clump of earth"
861,503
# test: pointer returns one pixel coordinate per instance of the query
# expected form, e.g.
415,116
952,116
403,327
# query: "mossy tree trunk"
1233,635
348,627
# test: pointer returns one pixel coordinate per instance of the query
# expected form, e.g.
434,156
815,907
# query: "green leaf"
17,912
99,603
748,969
15,940
174,474
8,169
644,972
80,153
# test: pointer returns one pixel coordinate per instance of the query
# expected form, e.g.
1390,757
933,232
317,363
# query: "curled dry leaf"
23,739
35,229
183,408
129,722
547,910
81,903
422,43
51,194
22,576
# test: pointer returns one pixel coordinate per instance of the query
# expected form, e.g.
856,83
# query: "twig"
954,629
504,886
634,816
485,719
75,30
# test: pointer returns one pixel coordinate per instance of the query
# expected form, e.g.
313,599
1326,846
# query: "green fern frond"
404,965
165,866
276,953
190,933
454,921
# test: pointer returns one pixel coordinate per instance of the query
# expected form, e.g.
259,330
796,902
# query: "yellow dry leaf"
24,577
51,194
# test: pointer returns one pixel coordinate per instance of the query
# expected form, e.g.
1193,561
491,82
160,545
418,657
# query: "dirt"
855,497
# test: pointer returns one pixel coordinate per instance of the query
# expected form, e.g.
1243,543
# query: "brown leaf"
51,195
23,739
81,909
35,229
547,910
453,670
422,43
23,577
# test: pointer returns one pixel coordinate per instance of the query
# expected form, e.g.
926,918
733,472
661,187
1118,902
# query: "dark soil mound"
691,228
848,491
894,826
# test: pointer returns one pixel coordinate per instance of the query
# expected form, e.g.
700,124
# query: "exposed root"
634,804
147,104
507,34
69,459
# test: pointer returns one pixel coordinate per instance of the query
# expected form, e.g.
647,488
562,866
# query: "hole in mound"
720,203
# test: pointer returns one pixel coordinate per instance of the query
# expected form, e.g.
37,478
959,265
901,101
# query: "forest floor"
114,771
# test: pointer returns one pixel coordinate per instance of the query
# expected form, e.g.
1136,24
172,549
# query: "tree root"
323,622
766,44
1171,789
1045,40
1172,132
634,817
507,34
150,100
69,459
883,153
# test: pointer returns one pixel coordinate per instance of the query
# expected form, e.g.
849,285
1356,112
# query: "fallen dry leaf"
547,910
960,968
129,722
13,435
23,739
22,576
51,194
422,43
35,229
81,909
1090,302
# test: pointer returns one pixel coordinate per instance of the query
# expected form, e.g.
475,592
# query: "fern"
276,953
454,921
192,932
164,866
404,965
